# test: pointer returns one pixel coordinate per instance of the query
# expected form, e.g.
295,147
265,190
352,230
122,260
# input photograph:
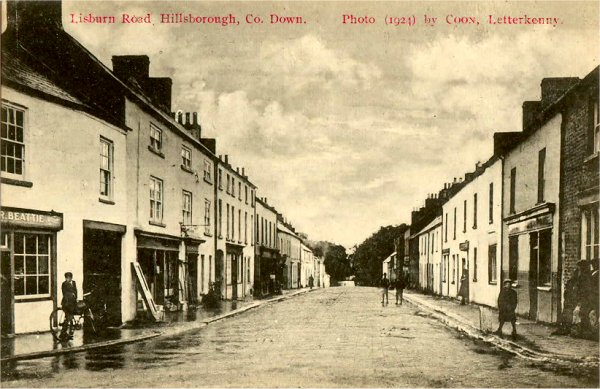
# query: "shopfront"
29,282
533,262
158,256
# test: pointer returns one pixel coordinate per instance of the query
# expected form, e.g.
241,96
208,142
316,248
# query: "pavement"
332,337
535,341
40,345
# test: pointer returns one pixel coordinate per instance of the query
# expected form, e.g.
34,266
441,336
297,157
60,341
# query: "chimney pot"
187,118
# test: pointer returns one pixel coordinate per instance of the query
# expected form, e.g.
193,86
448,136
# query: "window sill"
493,283
220,236
157,152
474,227
15,182
208,181
544,288
157,224
208,234
453,283
33,299
106,201
591,157
475,280
186,169
220,187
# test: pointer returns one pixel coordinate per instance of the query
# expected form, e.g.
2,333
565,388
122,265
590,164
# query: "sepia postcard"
299,193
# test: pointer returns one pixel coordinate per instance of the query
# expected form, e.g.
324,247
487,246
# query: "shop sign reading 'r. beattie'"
31,218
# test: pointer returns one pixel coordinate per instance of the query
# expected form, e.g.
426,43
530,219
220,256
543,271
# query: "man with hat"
507,304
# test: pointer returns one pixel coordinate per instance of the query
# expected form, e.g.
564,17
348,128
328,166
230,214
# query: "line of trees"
337,263
369,255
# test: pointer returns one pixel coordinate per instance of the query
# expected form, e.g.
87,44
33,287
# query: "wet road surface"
337,337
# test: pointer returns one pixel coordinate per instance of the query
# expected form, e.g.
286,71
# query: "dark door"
102,270
533,275
234,276
7,295
192,280
219,273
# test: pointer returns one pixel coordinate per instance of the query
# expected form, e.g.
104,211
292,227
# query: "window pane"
19,285
43,264
31,285
19,265
18,167
4,131
44,285
31,264
30,244
20,118
12,132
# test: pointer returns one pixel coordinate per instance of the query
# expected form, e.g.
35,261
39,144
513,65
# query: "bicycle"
83,312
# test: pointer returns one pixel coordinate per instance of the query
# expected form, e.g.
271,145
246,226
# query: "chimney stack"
554,87
33,15
226,159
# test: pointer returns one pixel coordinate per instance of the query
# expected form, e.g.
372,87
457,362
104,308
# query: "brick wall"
579,173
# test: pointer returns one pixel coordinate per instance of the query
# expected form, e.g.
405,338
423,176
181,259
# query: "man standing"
69,302
399,285
507,303
384,284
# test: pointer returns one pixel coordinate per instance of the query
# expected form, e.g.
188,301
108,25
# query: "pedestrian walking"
69,301
463,291
507,304
385,285
399,285
311,281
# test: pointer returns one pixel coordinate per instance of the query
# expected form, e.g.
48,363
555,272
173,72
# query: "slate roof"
15,70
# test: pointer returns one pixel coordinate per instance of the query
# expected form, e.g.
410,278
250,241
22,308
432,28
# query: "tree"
370,254
337,263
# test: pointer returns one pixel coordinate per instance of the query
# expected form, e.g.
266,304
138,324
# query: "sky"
347,127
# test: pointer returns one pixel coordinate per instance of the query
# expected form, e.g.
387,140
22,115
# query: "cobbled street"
337,337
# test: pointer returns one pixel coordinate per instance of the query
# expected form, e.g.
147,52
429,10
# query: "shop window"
32,265
106,168
492,264
540,257
12,141
156,200
590,233
513,257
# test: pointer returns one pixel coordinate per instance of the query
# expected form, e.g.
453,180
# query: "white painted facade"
62,162
480,236
530,226
430,254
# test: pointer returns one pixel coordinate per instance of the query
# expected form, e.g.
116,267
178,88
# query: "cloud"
306,61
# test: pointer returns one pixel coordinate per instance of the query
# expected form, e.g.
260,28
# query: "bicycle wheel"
57,320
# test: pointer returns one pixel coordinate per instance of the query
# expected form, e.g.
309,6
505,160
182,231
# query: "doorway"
102,270
6,303
234,276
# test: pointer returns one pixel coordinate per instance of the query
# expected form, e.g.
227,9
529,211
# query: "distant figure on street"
69,301
311,281
384,284
507,304
399,285
463,292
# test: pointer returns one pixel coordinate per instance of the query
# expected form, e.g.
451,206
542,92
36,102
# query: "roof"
283,228
389,258
434,223
15,70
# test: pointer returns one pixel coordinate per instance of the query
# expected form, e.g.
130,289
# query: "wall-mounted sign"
17,217
464,246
